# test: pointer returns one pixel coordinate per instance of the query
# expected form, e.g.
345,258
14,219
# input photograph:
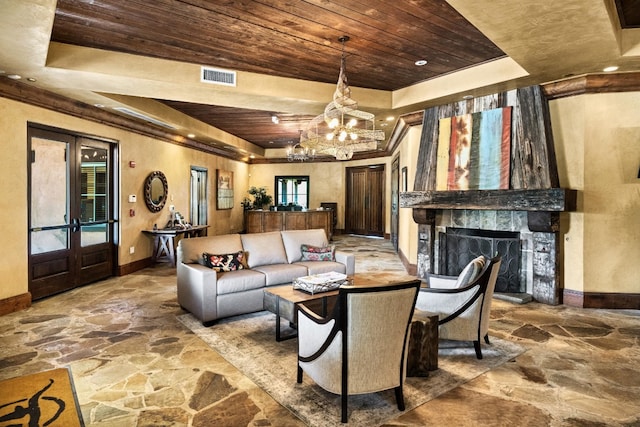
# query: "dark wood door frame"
395,200
365,200
59,269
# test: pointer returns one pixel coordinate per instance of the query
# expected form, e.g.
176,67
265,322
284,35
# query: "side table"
164,240
423,344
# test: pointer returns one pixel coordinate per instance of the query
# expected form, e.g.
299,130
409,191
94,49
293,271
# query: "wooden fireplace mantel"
541,200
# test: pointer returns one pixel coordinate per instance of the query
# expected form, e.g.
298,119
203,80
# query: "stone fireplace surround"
531,205
538,254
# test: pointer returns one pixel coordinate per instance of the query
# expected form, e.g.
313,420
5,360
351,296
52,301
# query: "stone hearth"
538,266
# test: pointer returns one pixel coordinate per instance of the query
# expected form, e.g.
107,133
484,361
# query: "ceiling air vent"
132,113
217,76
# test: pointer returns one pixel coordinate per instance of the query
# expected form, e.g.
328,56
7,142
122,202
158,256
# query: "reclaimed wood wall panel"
533,162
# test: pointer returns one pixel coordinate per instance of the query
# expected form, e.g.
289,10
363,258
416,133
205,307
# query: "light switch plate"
132,198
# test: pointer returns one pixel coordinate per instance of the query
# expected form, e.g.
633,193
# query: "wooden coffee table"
283,301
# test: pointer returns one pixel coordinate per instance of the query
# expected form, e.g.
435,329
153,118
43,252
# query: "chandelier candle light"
300,153
342,129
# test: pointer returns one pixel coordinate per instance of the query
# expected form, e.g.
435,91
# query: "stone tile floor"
134,364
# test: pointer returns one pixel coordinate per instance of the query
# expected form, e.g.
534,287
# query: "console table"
164,240
264,221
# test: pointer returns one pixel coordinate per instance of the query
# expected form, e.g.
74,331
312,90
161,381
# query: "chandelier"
300,153
342,129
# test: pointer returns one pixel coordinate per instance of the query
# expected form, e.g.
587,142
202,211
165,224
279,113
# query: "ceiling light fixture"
275,119
300,153
610,69
421,62
342,129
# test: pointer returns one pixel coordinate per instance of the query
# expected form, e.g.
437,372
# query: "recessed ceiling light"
191,135
98,105
467,97
390,118
14,76
31,79
610,69
421,62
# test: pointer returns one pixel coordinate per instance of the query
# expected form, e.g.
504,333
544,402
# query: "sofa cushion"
263,248
239,281
318,253
315,267
193,248
224,262
294,239
470,272
279,274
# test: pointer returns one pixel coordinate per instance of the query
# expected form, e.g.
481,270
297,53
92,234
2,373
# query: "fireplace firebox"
458,246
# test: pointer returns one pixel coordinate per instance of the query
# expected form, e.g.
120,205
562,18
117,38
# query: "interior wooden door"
364,204
395,201
71,213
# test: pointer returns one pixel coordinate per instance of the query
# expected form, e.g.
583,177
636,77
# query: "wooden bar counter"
264,221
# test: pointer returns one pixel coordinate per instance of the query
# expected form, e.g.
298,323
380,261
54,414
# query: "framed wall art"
474,151
224,189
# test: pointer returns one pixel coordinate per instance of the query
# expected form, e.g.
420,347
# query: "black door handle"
75,225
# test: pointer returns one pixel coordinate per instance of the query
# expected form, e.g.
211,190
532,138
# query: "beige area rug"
248,343
44,399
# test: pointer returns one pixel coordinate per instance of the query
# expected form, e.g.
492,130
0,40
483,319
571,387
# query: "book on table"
322,282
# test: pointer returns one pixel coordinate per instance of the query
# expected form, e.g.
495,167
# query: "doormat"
44,399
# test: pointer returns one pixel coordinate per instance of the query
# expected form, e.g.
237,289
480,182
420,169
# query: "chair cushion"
224,262
318,253
470,272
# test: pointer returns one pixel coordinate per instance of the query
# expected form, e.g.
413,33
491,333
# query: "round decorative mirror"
156,190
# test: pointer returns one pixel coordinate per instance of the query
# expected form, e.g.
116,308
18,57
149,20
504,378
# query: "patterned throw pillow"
226,262
470,272
318,253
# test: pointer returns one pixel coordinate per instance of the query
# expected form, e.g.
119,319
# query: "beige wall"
149,155
326,181
597,139
408,228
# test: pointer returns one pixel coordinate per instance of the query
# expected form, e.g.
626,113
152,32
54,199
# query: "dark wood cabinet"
264,221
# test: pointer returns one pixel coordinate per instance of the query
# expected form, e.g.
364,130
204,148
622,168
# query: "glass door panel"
49,196
94,195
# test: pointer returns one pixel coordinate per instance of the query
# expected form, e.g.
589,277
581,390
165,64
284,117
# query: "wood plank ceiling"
295,39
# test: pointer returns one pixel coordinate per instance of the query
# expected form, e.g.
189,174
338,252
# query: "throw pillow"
225,262
470,272
318,253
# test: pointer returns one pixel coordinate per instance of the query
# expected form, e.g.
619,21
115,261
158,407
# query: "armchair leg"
345,416
476,345
400,398
486,339
299,375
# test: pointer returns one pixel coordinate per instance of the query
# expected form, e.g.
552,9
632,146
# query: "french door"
71,211
364,204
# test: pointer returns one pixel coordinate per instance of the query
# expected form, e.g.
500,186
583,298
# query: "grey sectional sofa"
272,258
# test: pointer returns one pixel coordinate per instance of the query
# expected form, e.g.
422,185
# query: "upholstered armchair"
361,347
463,303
